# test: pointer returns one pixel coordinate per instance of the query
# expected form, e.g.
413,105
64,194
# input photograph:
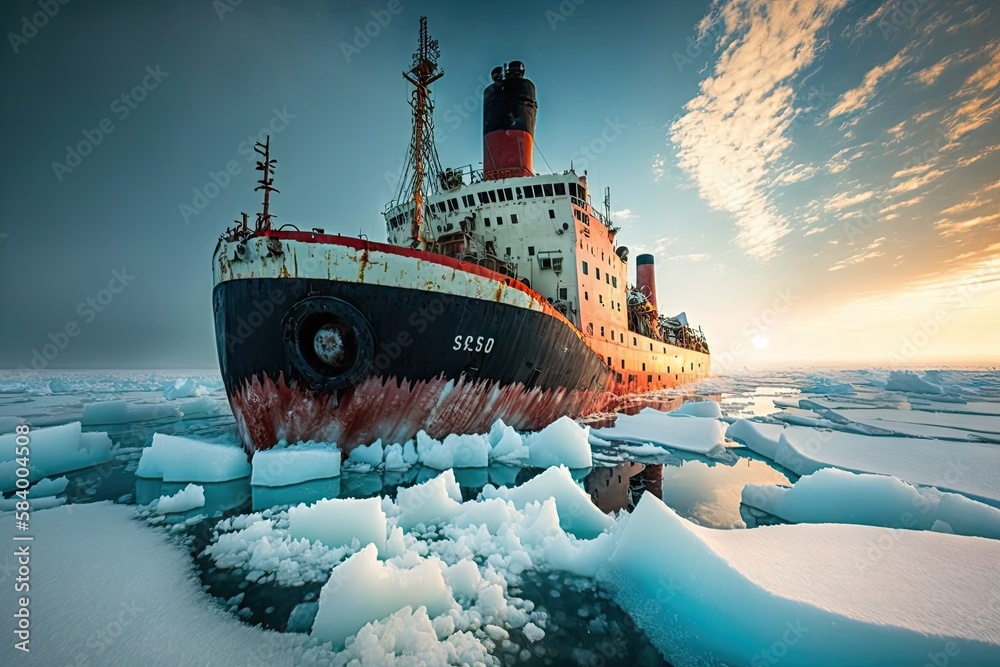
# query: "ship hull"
536,368
433,347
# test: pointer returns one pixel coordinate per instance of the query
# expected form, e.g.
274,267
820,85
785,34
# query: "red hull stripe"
422,255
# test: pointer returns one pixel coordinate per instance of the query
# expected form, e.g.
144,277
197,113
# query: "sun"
760,342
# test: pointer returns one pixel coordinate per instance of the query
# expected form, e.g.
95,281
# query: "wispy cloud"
624,215
916,182
929,75
870,251
858,98
737,127
691,257
844,200
951,227
981,102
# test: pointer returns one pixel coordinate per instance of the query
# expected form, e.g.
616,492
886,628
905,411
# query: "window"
563,293
510,195
634,341
600,299
527,192
623,363
547,188
590,328
499,219
650,345
602,331
483,199
572,190
649,378
538,191
442,206
493,196
552,213
557,264
586,296
607,277
486,221
614,281
513,218
501,195
609,361
612,334
622,337
531,251
597,273
560,189
508,255
644,365
453,204
586,269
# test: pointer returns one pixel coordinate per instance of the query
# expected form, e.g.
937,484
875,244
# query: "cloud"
841,160
906,202
981,103
624,215
843,200
659,169
870,251
733,132
916,182
951,227
691,257
817,230
858,98
929,75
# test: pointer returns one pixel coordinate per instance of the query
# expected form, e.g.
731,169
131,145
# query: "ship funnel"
509,109
645,277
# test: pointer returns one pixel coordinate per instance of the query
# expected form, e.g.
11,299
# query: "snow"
827,387
339,521
176,459
284,465
53,451
119,593
190,497
563,442
837,496
455,451
701,435
811,594
759,437
972,469
432,502
362,589
909,381
708,409
577,514
123,412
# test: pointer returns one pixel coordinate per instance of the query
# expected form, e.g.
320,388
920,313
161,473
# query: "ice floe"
807,594
837,496
123,412
175,459
190,497
702,435
284,465
54,450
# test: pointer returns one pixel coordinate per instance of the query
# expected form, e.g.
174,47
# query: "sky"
819,180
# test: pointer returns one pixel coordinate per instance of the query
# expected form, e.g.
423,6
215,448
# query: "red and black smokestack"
509,109
645,277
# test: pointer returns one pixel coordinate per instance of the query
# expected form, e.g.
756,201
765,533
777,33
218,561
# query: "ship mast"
266,166
423,157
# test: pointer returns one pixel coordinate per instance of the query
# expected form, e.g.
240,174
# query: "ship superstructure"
501,293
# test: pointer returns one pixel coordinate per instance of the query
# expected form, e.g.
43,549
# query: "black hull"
524,366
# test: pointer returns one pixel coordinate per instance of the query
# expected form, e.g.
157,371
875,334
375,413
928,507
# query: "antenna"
267,167
607,204
423,153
